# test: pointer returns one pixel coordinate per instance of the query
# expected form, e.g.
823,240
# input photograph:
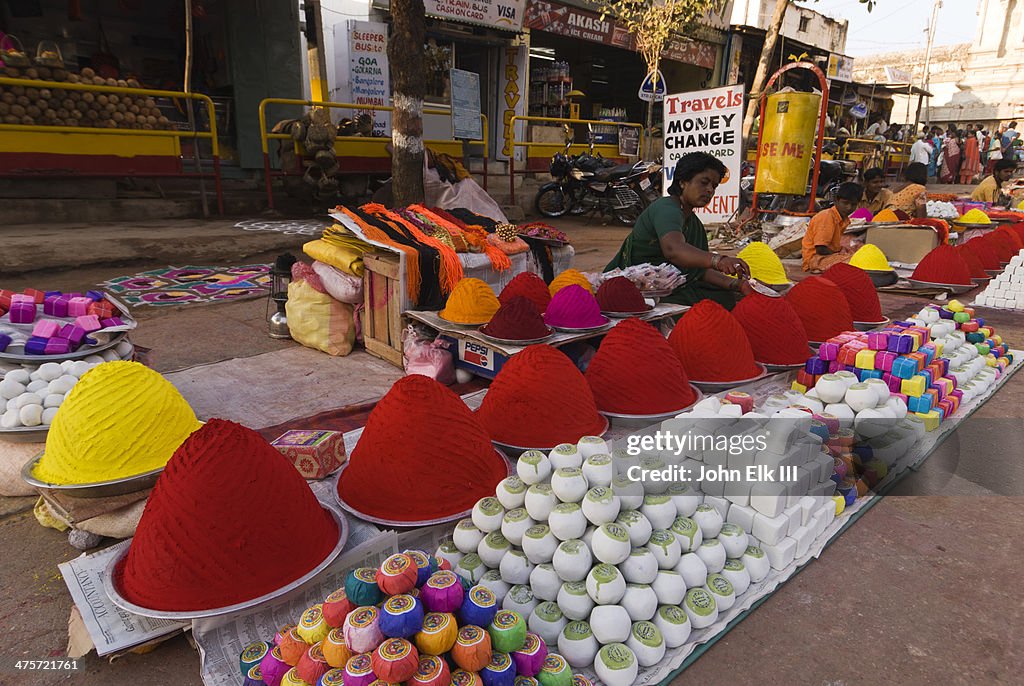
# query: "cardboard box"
314,453
906,244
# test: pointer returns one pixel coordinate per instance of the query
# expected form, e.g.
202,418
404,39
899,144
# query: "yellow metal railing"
266,136
169,133
511,143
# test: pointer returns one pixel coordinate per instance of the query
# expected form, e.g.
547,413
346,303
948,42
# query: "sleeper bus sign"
708,121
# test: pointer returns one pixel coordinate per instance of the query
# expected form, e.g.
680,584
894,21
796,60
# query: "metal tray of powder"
463,325
99,489
79,354
716,386
111,589
586,329
25,434
519,449
640,421
772,368
625,315
867,326
515,341
415,523
967,225
954,288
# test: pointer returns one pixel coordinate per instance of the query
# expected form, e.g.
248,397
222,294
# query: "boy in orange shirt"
822,244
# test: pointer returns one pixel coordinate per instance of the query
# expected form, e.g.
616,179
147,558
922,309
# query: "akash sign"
708,121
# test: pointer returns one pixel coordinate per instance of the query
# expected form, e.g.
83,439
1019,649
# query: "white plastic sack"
339,285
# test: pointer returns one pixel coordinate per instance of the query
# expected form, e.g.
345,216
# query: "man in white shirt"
877,129
920,151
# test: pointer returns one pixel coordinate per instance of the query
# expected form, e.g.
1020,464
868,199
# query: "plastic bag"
426,357
315,319
339,285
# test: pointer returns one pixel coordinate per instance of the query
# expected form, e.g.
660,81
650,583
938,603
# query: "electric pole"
928,62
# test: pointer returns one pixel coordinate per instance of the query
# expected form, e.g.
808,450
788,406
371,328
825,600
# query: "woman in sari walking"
971,165
950,159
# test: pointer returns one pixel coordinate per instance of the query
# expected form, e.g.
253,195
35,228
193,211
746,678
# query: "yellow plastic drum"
788,135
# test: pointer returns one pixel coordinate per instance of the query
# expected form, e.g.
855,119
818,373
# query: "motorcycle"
585,184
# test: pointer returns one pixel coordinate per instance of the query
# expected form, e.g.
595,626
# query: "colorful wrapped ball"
336,608
312,627
334,677
432,671
312,665
254,677
472,649
359,671
438,634
252,655
530,658
508,631
461,677
401,616
478,607
423,566
580,680
397,574
282,632
395,660
443,592
361,586
292,678
555,672
500,671
523,680
362,630
335,649
292,647
273,667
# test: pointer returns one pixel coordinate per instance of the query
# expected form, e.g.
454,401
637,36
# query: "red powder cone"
1018,228
774,329
943,265
988,257
538,400
712,345
517,319
229,520
822,308
619,294
423,455
1001,244
973,263
859,290
531,287
635,371
1012,238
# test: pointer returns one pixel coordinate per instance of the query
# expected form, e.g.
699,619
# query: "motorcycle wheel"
627,216
552,202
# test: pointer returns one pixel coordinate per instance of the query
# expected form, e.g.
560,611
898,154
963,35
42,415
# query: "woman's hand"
733,266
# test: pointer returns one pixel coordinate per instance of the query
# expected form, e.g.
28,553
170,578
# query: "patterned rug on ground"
191,285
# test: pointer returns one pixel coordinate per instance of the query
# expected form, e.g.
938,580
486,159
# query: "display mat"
295,227
191,285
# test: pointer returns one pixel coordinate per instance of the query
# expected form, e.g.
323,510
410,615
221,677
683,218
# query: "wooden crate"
382,313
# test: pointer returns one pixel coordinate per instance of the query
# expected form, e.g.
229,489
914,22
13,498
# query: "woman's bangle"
716,259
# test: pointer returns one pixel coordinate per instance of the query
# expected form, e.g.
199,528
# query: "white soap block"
803,536
770,459
738,492
712,488
808,505
741,461
826,465
828,510
719,503
818,523
795,515
716,460
768,497
742,516
780,555
807,479
770,530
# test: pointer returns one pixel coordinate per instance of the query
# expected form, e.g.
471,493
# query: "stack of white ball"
1005,291
939,209
609,574
33,397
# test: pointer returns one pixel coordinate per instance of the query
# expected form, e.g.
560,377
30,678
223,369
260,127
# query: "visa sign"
507,13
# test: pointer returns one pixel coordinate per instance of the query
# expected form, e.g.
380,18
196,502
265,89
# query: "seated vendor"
822,244
991,188
913,198
876,196
669,231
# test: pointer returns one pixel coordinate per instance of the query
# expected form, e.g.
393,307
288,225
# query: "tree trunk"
408,78
772,35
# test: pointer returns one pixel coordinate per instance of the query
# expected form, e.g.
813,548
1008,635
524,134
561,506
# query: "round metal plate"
589,329
656,293
518,449
99,489
117,599
994,272
951,287
414,523
785,367
626,315
641,420
965,225
471,325
981,280
514,341
716,386
553,242
867,326
25,434
82,352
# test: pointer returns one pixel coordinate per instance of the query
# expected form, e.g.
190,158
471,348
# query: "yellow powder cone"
568,278
471,302
885,216
870,258
974,216
120,420
765,265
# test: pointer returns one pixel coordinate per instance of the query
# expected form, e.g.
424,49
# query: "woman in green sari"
669,231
